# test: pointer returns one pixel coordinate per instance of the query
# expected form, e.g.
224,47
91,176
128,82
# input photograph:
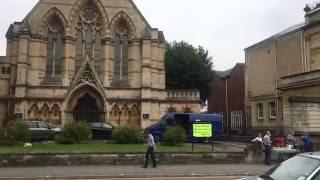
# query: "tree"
188,68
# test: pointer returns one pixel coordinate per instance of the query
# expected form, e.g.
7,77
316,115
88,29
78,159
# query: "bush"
174,136
3,138
127,135
74,133
16,133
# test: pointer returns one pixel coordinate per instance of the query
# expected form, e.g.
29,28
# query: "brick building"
227,97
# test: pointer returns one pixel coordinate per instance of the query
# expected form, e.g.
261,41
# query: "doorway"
87,109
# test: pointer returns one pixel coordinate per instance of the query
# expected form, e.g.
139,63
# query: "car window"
32,124
294,168
43,125
107,126
170,122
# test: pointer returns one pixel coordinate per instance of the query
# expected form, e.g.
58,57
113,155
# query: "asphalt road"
182,178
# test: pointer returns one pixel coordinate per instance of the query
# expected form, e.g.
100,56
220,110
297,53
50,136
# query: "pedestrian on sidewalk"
291,140
151,147
307,144
258,139
267,147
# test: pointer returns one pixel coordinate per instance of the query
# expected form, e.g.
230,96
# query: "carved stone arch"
135,116
171,109
75,12
56,114
45,112
33,112
47,18
86,103
124,116
187,110
82,89
115,115
118,19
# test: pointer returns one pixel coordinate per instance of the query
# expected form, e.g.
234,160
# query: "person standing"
258,139
267,147
307,145
291,140
150,151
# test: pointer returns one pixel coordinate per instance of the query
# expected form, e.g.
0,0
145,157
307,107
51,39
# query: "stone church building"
92,60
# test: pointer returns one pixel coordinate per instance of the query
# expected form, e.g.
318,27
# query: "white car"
304,166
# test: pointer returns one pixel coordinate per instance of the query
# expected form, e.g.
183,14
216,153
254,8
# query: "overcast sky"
223,27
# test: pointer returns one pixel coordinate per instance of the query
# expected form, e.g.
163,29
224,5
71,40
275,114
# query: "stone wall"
9,160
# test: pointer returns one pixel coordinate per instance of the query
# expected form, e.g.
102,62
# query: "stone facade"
283,79
94,60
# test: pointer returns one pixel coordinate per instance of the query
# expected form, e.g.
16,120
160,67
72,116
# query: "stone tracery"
89,29
55,46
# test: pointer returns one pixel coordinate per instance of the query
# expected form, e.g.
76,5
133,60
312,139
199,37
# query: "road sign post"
202,130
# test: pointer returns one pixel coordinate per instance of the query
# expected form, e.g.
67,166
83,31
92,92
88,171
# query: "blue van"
186,121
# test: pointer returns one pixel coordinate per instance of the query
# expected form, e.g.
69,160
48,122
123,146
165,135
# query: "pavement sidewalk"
116,171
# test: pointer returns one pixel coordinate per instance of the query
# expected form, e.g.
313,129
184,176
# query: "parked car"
41,130
304,166
101,130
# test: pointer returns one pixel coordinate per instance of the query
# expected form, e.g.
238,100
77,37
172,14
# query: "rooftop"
289,30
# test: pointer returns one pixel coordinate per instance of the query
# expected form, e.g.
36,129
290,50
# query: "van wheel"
157,139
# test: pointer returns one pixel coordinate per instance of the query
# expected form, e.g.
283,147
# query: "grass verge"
96,148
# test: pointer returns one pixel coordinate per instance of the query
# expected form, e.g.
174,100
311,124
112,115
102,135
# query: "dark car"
304,166
101,130
41,130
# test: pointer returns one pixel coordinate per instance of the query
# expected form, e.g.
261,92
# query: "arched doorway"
87,109
86,104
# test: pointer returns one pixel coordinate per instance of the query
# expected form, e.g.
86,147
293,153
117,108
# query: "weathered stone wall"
118,159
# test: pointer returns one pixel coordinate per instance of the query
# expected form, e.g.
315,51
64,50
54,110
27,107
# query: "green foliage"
188,68
174,136
16,133
74,133
127,135
3,138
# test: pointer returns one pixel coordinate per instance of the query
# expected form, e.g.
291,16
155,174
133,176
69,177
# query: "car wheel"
157,138
56,135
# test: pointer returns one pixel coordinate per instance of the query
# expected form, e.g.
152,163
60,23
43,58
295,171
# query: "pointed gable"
87,76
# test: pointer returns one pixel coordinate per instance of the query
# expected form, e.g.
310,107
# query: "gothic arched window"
54,48
89,36
121,52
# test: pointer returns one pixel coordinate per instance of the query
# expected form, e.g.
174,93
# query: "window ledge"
272,118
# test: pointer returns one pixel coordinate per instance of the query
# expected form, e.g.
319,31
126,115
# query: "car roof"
315,155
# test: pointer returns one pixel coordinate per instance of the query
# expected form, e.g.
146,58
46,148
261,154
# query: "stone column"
162,51
146,83
22,65
135,64
108,56
68,61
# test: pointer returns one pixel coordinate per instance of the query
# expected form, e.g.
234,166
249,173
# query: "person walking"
267,147
150,151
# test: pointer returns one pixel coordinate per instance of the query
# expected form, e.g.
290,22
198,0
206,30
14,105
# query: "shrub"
174,136
3,138
16,133
127,135
74,133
